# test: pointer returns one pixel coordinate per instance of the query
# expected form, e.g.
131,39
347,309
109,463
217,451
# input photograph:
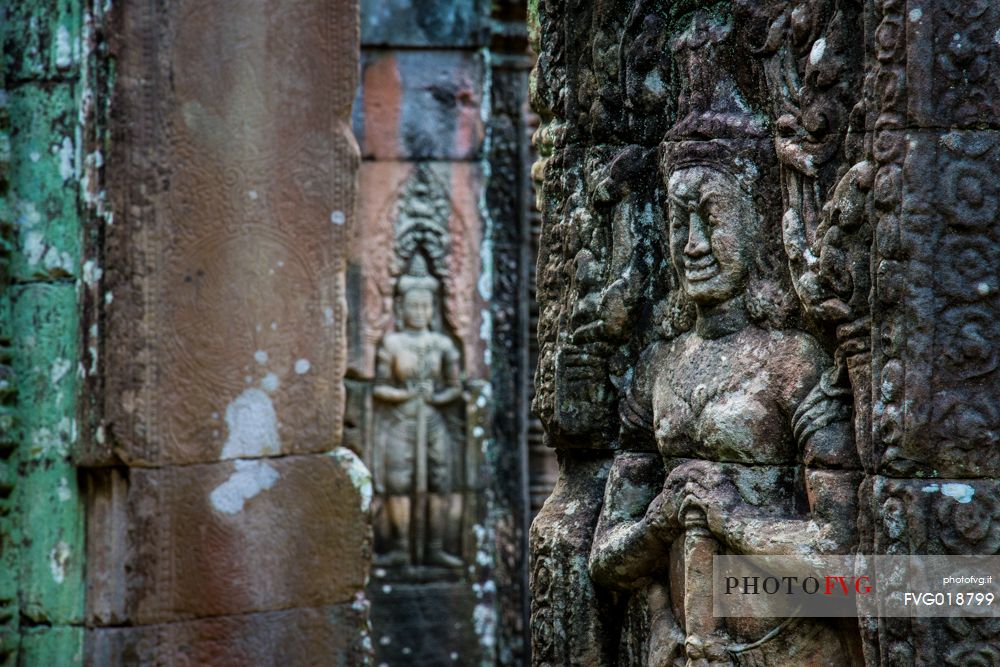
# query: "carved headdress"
717,127
417,276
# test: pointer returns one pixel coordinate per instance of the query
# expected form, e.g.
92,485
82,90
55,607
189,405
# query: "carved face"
713,225
418,309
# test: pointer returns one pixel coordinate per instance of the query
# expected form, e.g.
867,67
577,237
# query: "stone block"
234,189
56,645
408,624
952,63
45,323
43,189
563,595
233,537
447,23
329,635
393,194
420,105
936,362
939,516
46,495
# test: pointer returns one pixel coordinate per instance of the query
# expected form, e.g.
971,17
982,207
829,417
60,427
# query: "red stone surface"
233,186
293,638
420,104
385,188
233,537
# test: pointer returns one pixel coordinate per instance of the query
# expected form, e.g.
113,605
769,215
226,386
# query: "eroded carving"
793,312
736,404
417,438
417,378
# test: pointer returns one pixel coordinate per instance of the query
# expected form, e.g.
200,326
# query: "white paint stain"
58,560
328,316
60,367
34,247
996,36
302,366
654,82
62,491
916,14
818,49
35,156
338,218
91,273
252,426
108,297
356,470
66,159
274,326
260,356
248,480
64,47
27,214
252,194
961,492
270,383
484,619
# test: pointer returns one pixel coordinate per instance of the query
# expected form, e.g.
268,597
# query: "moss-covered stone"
47,498
41,38
43,190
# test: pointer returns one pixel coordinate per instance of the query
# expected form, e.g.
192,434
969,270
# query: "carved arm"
633,534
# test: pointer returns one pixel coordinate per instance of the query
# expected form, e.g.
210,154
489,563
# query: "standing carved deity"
755,440
417,377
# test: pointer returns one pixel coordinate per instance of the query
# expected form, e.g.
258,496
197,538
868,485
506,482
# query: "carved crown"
716,125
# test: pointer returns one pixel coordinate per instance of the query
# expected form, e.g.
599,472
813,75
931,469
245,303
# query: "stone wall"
175,188
442,120
421,117
43,214
765,308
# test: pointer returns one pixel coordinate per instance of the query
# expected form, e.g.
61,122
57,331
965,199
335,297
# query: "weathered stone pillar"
227,524
935,329
419,344
817,172
43,215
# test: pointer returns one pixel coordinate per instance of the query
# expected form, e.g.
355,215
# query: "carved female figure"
758,453
417,373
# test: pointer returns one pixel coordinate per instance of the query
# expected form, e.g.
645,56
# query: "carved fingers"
696,489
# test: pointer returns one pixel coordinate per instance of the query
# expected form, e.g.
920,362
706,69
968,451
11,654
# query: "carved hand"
704,486
661,516
423,388
445,396
390,394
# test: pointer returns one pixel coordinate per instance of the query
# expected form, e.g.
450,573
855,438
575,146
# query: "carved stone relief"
418,439
416,398
766,314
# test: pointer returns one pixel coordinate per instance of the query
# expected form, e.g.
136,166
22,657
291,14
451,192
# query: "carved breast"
721,400
416,357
